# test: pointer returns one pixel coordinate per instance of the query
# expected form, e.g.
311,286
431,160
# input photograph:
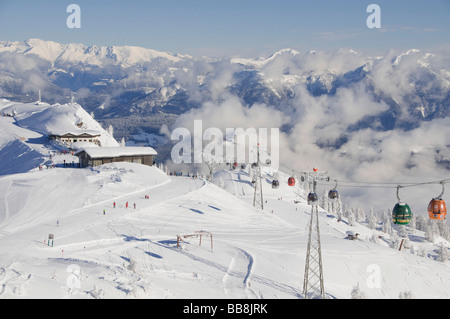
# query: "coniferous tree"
351,218
432,231
421,223
412,225
339,209
402,231
360,214
386,220
442,253
421,252
372,220
357,293
110,130
405,295
444,231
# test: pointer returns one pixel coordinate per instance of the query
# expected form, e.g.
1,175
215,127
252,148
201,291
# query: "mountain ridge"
123,81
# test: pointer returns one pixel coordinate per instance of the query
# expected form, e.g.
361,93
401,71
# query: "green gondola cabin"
401,214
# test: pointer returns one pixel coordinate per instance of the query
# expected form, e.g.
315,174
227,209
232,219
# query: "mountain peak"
399,57
283,52
93,55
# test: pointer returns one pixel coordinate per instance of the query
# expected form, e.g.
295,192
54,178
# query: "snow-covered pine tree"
395,241
386,219
413,223
412,249
111,130
350,218
374,238
360,214
323,201
339,208
372,220
442,253
444,231
402,231
421,223
387,223
357,293
405,295
421,252
432,231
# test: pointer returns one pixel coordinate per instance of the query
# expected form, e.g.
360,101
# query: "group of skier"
126,204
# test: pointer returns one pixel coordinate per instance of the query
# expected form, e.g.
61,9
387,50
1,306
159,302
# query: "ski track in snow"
6,212
13,281
236,281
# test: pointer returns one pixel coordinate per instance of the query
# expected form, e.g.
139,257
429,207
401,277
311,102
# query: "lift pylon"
313,283
258,194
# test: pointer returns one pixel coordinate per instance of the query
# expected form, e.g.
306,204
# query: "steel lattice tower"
258,195
313,281
313,285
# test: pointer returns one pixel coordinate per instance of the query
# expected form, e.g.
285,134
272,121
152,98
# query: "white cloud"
366,155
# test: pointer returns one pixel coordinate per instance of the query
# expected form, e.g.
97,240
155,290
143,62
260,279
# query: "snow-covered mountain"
376,118
62,54
125,81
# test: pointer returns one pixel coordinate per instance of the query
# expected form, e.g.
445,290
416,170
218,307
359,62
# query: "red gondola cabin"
291,181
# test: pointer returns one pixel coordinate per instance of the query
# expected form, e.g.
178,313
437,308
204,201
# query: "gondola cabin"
333,194
437,209
275,184
312,198
401,214
291,181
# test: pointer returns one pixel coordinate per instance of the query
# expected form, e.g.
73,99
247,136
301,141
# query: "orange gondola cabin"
437,209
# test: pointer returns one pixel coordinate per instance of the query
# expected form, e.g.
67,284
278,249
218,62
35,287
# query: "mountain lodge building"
96,156
69,138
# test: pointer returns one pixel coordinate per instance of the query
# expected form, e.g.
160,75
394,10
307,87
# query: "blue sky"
244,27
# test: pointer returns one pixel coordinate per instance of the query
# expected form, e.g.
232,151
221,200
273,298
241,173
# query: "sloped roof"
76,133
108,152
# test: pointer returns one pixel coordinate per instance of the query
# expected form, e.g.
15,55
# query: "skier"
114,204
104,211
134,205
126,205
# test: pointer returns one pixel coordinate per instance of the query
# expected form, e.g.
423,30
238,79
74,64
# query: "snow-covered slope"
106,250
55,119
115,230
25,129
